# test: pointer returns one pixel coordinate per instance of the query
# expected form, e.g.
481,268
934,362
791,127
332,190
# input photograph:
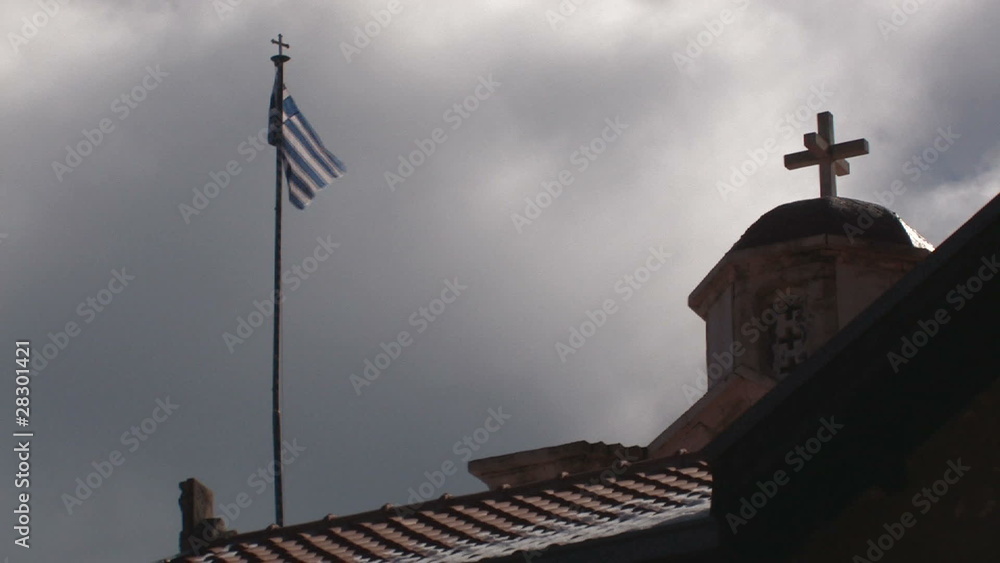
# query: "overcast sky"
667,98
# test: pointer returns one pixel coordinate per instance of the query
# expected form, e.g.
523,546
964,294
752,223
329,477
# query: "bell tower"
795,278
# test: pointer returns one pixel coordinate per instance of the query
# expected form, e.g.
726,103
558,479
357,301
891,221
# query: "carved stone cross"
822,150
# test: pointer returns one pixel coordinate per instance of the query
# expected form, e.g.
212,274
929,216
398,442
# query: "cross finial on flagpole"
821,150
281,57
280,44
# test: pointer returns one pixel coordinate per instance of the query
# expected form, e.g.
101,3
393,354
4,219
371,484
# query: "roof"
493,524
830,216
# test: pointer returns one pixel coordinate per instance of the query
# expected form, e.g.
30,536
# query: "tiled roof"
490,524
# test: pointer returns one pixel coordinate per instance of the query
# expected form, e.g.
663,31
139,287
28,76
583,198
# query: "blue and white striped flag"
309,167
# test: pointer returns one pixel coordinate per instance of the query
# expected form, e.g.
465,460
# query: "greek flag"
309,167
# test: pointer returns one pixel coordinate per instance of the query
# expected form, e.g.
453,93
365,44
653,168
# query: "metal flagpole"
279,60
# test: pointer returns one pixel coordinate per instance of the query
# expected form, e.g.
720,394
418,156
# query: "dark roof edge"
935,261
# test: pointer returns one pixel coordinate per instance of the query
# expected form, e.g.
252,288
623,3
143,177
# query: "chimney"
199,526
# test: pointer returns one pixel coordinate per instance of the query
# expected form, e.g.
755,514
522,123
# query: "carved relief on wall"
788,337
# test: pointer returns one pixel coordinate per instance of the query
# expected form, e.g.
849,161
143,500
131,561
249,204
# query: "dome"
831,216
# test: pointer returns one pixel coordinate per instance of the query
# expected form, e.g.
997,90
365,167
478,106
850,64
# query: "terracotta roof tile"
487,525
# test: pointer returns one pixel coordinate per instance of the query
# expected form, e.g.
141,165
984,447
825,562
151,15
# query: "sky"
515,169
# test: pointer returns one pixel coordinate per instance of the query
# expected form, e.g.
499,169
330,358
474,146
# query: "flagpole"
279,512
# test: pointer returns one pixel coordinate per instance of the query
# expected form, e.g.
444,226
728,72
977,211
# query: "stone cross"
822,150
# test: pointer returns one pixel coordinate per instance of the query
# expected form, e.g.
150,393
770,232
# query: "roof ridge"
672,464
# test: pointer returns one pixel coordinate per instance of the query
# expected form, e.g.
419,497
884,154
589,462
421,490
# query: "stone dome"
830,216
